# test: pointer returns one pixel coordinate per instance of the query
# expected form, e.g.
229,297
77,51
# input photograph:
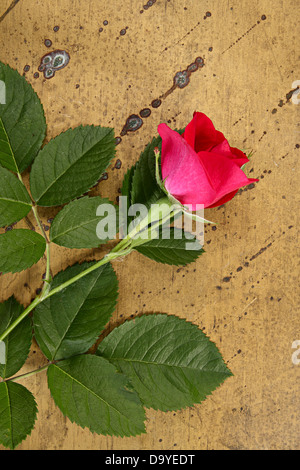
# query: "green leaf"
18,412
174,251
18,342
140,185
15,202
170,362
144,187
90,392
71,164
75,225
127,183
22,122
69,322
7,158
126,192
20,249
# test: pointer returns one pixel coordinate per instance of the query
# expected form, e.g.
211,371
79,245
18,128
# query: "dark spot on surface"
290,94
199,61
210,49
297,146
105,22
262,250
36,75
52,62
227,279
122,32
192,68
219,287
26,68
118,164
156,103
104,177
118,140
239,269
77,86
207,15
214,228
182,79
274,111
56,28
9,9
263,17
149,4
144,113
48,42
100,30
38,291
133,123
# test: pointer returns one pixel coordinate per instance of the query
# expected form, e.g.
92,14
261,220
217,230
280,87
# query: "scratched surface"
132,65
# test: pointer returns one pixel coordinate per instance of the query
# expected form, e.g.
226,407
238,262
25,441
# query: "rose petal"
225,175
186,178
224,199
231,152
201,134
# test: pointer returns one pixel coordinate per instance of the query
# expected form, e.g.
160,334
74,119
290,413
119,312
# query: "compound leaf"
169,361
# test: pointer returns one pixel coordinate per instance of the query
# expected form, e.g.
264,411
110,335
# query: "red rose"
200,167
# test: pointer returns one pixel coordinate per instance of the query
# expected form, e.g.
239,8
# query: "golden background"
244,290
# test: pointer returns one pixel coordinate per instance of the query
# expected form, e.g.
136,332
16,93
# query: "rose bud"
200,167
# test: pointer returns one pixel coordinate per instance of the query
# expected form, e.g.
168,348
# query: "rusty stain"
9,9
156,103
52,62
182,78
241,37
133,123
146,112
149,4
48,42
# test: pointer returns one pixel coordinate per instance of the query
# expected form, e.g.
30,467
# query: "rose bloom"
200,167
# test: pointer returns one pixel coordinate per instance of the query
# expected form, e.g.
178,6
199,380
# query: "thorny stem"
122,249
